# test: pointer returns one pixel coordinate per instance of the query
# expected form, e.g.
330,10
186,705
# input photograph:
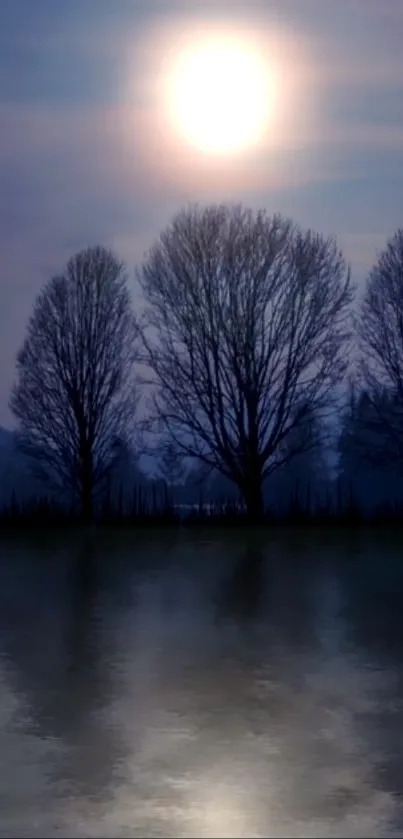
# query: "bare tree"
380,334
304,451
75,393
245,329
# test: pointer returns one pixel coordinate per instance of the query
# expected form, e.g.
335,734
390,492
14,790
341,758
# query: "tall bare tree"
75,393
380,334
245,331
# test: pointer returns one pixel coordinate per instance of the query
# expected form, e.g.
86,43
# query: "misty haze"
201,418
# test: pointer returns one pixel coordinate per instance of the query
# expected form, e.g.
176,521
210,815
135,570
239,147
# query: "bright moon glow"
220,96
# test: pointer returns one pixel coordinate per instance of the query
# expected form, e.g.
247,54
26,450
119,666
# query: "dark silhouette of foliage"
245,334
75,393
380,333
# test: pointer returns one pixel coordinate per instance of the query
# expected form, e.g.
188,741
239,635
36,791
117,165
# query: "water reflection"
242,592
65,681
201,688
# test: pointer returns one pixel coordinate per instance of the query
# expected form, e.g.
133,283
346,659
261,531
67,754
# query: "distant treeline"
155,507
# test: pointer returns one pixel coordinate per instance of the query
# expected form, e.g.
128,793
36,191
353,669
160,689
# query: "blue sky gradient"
83,152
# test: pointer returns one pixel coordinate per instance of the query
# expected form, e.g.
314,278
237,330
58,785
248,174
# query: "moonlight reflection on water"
201,688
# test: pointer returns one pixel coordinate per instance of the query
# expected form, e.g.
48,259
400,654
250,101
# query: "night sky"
87,155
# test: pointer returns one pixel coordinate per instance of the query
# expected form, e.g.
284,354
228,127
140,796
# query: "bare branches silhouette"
380,335
75,393
245,333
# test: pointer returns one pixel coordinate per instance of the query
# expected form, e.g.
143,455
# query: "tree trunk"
87,507
252,492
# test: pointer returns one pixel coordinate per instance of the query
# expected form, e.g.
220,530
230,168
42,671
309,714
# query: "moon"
220,95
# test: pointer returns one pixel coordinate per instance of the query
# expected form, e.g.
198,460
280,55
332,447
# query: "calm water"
217,686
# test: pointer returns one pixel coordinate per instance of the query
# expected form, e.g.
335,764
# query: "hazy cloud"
86,155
